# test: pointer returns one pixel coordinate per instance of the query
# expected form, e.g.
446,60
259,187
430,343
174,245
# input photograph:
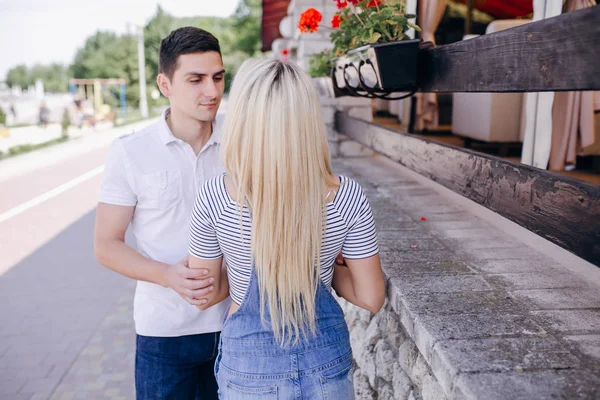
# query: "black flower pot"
378,69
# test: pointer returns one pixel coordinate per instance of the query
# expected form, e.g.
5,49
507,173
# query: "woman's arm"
361,282
218,271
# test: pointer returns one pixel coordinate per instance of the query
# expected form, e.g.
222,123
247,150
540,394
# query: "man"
150,183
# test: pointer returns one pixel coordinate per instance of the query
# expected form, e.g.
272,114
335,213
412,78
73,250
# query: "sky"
46,31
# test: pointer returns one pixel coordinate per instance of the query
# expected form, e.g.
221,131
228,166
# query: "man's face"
197,85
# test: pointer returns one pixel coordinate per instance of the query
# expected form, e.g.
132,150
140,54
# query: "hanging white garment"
537,138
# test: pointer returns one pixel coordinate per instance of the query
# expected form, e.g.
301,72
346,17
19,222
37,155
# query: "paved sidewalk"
80,142
58,307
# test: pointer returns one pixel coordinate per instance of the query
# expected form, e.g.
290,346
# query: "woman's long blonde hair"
274,148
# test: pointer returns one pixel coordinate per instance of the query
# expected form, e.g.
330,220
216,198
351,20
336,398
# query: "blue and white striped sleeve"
361,240
203,241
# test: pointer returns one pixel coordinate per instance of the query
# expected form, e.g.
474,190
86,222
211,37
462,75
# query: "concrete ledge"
472,311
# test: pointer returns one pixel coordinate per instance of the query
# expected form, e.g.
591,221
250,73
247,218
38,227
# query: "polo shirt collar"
166,136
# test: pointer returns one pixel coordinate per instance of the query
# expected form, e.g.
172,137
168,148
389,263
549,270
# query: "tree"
18,76
54,76
157,28
107,55
246,25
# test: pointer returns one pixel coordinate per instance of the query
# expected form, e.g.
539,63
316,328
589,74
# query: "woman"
279,217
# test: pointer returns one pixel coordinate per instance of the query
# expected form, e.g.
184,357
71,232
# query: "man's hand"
190,284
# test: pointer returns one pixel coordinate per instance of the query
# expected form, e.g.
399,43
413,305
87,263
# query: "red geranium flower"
374,3
285,52
335,22
340,4
309,20
354,2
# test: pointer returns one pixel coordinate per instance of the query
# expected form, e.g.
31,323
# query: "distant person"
44,115
13,111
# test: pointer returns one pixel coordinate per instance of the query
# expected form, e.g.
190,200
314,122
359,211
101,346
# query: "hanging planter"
379,68
374,56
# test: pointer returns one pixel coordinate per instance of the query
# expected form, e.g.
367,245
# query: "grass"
25,148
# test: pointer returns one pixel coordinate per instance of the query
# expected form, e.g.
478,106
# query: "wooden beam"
555,54
563,210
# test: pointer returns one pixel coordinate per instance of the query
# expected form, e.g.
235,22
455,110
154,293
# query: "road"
66,329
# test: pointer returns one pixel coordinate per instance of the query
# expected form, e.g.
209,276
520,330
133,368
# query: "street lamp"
142,72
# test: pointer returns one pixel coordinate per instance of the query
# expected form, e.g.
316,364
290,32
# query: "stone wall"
388,364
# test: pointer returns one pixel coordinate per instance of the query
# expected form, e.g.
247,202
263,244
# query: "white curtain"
538,106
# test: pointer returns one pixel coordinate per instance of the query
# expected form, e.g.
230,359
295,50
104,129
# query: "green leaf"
374,38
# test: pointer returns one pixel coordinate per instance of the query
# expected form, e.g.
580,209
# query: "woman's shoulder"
349,189
213,187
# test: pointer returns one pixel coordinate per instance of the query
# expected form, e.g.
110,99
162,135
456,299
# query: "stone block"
440,283
362,389
501,355
480,244
386,391
548,280
403,255
419,371
392,329
588,345
542,385
432,389
411,244
437,304
407,356
332,135
479,234
353,149
364,113
401,383
328,114
385,359
449,267
570,321
478,326
558,298
513,266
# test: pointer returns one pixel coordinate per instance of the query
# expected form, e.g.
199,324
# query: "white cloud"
41,31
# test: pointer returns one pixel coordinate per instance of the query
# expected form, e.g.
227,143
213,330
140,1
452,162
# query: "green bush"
320,64
2,116
66,122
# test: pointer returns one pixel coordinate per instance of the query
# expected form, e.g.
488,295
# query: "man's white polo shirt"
160,175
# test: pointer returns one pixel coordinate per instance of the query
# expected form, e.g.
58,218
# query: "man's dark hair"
184,41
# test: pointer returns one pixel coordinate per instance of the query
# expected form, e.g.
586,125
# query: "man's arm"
112,252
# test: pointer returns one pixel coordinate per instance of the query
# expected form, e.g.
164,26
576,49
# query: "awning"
503,9
273,11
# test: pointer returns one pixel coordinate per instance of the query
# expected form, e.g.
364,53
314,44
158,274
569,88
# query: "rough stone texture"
589,345
471,312
388,364
538,385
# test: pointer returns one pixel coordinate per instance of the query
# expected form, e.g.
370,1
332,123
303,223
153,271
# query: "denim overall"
252,365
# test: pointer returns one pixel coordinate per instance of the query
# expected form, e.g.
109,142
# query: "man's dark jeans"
176,367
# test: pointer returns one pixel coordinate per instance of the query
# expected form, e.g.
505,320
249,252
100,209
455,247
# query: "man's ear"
164,85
